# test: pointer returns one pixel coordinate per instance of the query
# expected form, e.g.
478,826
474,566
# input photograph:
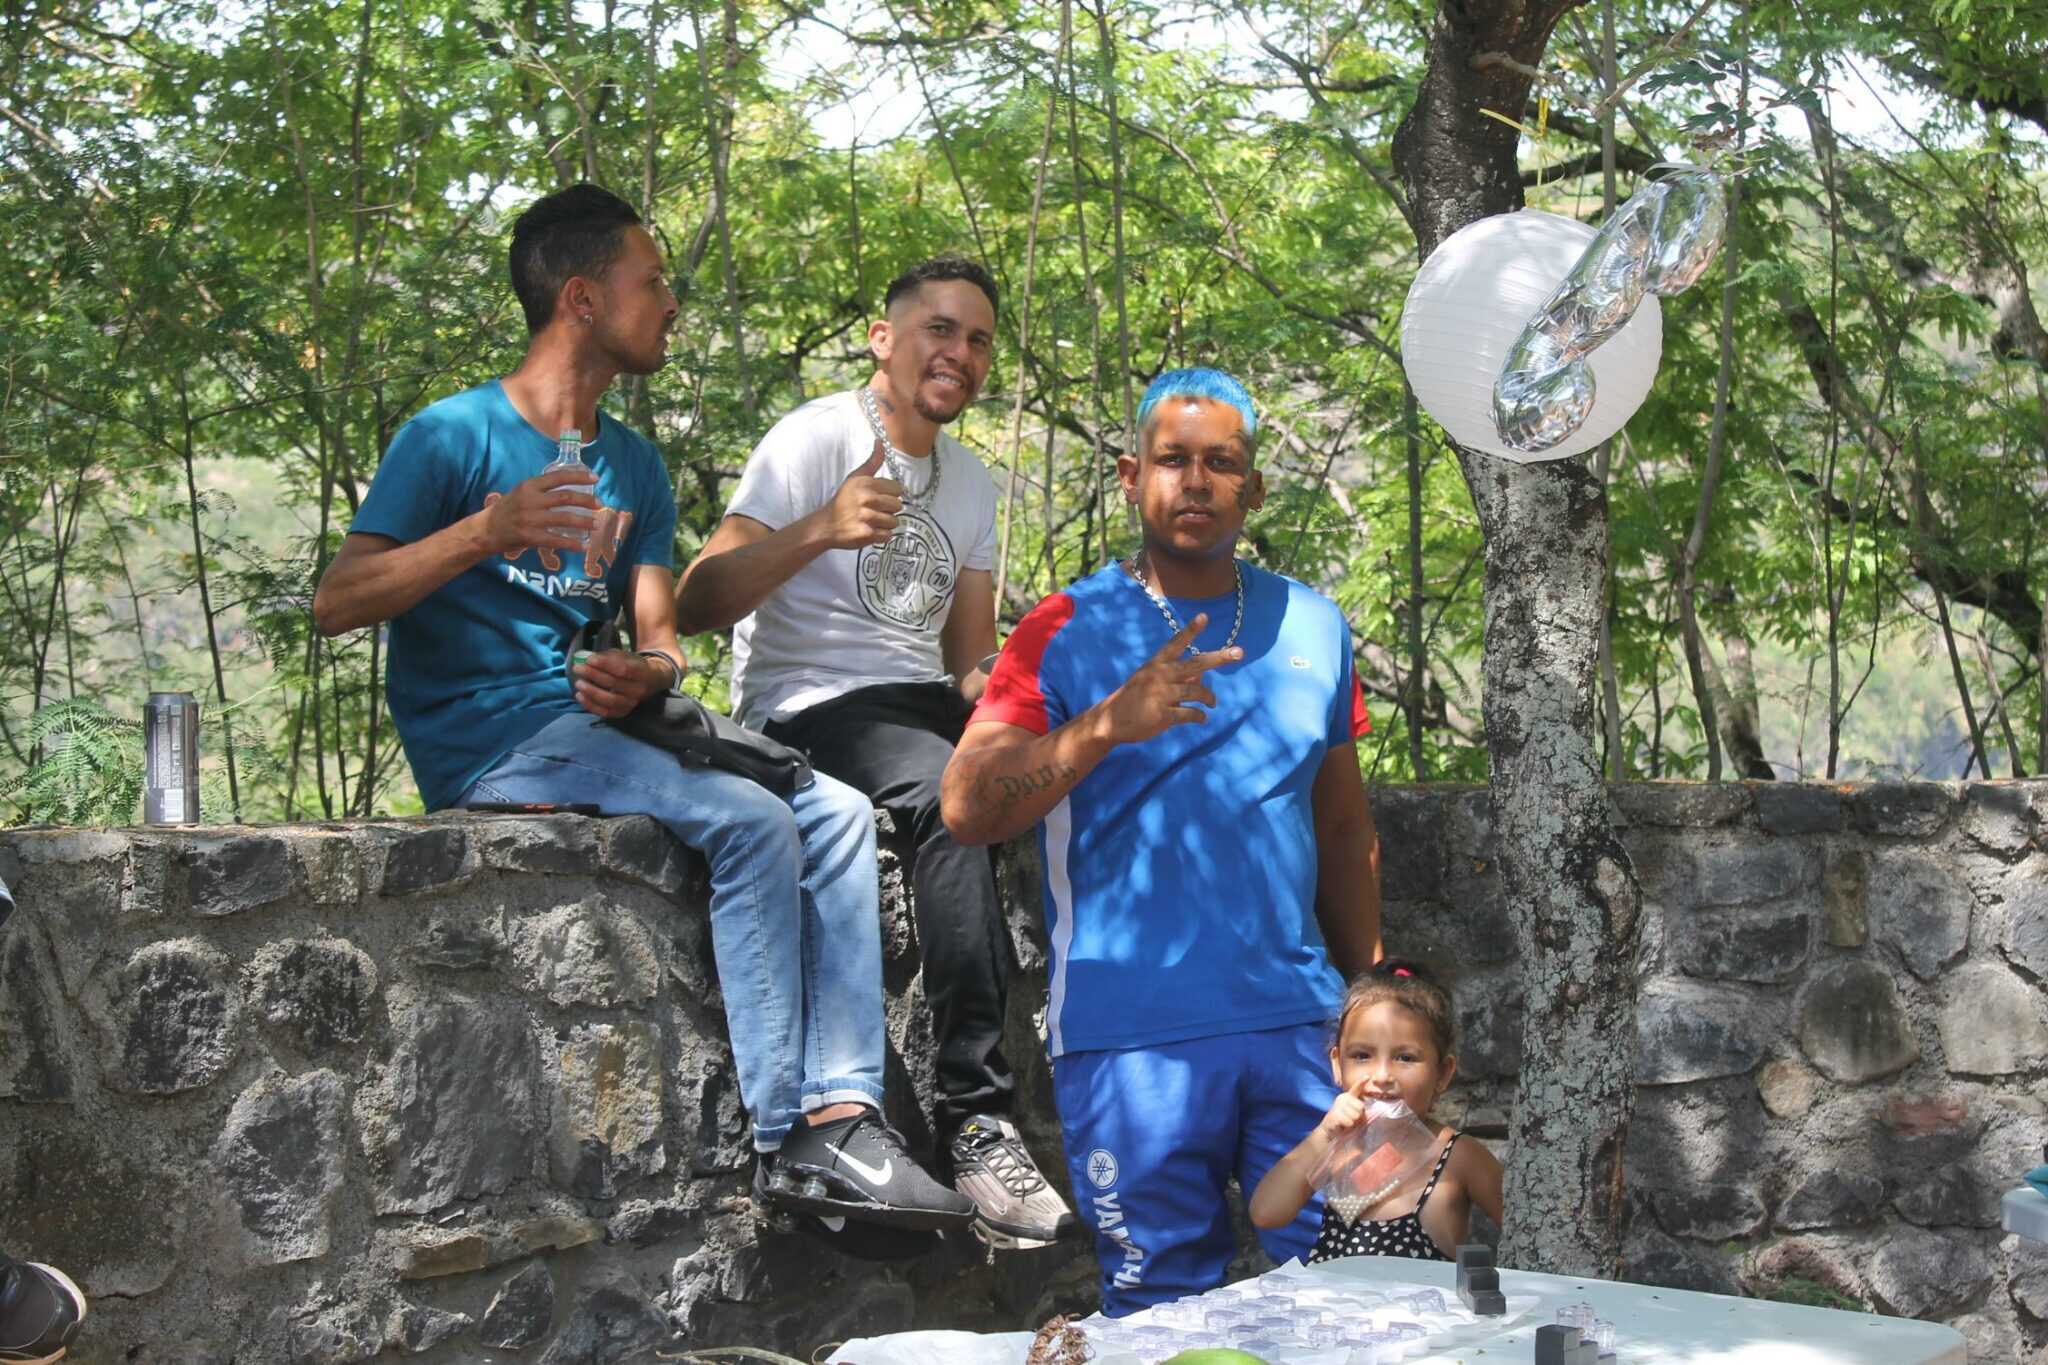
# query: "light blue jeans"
795,906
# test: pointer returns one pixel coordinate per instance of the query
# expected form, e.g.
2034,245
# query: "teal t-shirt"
479,664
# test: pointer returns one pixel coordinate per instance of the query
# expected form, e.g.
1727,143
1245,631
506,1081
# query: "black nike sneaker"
858,1168
862,1241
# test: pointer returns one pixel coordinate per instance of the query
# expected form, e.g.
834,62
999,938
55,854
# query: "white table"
1655,1326
2025,1212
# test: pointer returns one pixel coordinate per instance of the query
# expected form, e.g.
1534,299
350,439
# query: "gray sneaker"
1014,1205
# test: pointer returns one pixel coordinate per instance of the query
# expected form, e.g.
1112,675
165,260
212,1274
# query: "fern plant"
91,772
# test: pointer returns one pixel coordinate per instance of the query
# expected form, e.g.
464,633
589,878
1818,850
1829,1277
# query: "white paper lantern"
1469,303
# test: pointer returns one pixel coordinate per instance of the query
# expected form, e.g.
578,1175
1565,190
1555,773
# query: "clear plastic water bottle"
569,455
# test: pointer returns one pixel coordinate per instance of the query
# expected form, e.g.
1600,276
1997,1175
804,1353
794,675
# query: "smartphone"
536,808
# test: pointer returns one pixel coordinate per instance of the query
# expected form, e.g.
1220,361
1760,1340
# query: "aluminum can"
170,759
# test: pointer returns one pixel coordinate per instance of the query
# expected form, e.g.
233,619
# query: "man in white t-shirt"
854,564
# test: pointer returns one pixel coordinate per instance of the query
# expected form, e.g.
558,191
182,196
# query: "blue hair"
1200,382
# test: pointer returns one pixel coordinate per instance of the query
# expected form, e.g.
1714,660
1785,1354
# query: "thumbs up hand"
863,511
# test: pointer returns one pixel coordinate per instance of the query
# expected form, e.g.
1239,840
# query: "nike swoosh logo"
834,1224
862,1169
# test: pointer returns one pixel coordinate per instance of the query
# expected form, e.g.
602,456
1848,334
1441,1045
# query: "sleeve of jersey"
764,492
411,493
1021,691
1348,717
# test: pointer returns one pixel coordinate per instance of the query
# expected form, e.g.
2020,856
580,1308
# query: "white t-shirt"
853,618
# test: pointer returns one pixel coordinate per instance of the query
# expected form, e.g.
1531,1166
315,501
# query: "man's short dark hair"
941,268
577,231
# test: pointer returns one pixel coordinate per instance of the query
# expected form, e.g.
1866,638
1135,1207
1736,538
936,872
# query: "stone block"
1474,932
585,954
1747,873
1830,1198
455,1061
33,1068
2026,1276
1787,1088
1919,1132
1922,909
552,1232
2024,890
522,1310
1797,807
228,874
1713,1211
1490,1028
560,844
608,1108
1704,1133
279,1161
338,1335
415,1328
1411,842
1689,1032
171,1015
1921,1274
320,992
640,849
2004,817
610,1325
1664,864
723,1137
1991,1023
1767,945
1952,1196
428,1254
643,1222
1906,810
1825,1260
1650,1257
1679,805
456,941
414,859
1851,1024
1845,899
330,867
72,882
94,1200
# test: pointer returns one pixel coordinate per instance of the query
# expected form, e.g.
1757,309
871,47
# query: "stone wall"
454,1088
1843,1033
458,1089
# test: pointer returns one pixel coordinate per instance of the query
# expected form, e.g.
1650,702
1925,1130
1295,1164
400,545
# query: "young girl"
1394,1042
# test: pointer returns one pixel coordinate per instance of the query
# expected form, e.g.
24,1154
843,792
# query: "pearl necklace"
898,462
1130,566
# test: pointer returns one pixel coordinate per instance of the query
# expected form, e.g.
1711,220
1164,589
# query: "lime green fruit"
1215,1355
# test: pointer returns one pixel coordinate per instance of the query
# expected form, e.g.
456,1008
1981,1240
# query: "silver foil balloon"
1690,225
1662,239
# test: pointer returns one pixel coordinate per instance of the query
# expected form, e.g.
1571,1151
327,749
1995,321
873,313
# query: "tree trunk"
1562,868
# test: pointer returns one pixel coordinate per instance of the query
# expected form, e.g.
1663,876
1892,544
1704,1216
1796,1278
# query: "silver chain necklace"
898,462
1237,571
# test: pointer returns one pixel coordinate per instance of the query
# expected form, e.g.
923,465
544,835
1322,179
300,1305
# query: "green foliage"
249,244
91,772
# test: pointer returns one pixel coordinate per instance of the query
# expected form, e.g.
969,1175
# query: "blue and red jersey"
1180,875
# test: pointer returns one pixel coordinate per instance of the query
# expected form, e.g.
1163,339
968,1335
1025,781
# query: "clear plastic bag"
1365,1167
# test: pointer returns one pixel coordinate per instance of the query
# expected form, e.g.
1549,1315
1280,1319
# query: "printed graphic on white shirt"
909,580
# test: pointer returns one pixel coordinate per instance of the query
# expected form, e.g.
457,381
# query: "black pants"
892,742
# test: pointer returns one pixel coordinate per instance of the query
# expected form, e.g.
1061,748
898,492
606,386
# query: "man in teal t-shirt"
486,562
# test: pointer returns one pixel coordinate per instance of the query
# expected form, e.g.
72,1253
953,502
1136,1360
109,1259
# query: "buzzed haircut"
577,231
1199,382
941,268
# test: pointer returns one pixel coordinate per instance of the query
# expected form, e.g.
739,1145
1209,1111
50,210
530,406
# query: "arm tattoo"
1015,789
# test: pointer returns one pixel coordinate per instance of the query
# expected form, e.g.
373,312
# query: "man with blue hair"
1179,727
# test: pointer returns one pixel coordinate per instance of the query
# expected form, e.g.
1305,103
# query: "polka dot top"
1403,1236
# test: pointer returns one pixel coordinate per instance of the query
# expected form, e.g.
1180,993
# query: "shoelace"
1006,1160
